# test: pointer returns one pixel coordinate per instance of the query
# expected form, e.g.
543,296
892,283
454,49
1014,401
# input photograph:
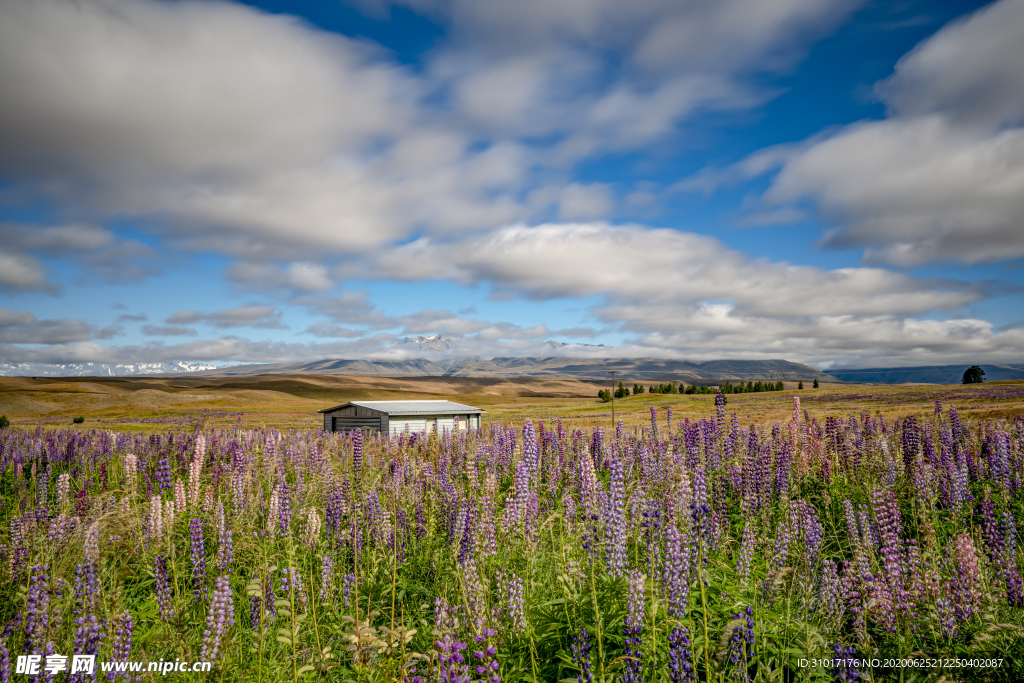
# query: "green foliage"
4,422
604,395
621,391
815,382
372,618
973,375
800,385
78,420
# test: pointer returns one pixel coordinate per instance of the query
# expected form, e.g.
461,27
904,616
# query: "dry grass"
291,401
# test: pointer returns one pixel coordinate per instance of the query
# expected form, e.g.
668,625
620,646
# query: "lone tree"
973,375
815,382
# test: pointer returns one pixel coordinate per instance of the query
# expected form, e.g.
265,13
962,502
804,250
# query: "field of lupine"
693,550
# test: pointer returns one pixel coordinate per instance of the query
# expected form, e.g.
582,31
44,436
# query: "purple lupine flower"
357,455
291,579
1008,561
746,553
680,657
348,583
86,589
783,536
814,533
37,609
633,669
163,473
830,594
741,644
615,522
990,527
699,508
327,578
219,618
522,490
285,514
163,587
198,559
851,524
86,642
451,663
676,569
255,605
965,585
579,646
887,512
269,596
847,671
88,631
5,662
783,465
511,586
487,658
531,454
947,617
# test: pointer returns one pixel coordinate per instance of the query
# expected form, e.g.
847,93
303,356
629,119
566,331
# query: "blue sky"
838,183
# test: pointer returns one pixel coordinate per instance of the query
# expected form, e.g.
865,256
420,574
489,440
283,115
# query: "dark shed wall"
354,417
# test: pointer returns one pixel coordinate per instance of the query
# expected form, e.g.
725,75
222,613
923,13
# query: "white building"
394,417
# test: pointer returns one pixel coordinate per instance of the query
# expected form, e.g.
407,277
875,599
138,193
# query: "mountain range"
99,369
626,369
927,374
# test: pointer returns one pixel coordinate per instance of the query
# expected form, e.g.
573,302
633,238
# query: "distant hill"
99,369
626,369
927,374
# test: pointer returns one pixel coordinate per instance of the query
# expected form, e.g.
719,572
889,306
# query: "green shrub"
78,420
4,422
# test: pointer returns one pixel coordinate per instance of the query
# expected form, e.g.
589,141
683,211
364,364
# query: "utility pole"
612,372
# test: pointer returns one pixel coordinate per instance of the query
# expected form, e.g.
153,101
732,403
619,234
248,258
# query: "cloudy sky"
838,182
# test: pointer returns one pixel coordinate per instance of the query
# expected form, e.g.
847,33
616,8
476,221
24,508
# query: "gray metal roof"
411,407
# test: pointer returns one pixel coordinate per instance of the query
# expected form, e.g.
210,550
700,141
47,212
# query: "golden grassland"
291,401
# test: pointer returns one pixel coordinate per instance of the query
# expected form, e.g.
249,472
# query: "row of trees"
622,391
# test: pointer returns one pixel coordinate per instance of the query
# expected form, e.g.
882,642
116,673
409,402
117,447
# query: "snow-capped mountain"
434,342
100,369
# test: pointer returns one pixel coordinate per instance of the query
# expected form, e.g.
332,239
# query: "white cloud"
101,252
942,179
168,331
597,259
250,315
915,191
591,200
20,272
22,327
301,276
825,340
257,135
156,87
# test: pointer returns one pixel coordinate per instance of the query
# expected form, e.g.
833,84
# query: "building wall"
357,417
425,423
354,417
